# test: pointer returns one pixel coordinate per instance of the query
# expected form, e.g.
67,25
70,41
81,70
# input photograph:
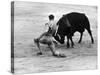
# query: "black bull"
68,24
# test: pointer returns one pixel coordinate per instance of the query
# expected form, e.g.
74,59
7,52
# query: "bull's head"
63,29
59,34
59,38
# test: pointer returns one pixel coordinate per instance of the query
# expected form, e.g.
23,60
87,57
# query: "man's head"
51,17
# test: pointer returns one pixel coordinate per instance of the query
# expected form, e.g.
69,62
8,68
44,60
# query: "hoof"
62,55
68,45
72,46
59,55
92,42
39,53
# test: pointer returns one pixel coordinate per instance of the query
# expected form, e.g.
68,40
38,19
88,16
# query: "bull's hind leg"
87,26
90,33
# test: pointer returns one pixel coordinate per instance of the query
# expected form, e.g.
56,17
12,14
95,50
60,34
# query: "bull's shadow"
83,44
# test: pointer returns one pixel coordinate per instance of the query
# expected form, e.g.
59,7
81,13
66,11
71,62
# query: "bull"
68,24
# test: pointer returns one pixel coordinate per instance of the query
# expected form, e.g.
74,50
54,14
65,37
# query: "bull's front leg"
68,45
72,43
70,37
80,37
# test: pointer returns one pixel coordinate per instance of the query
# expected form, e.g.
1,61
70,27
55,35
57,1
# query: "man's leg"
41,41
38,45
42,35
52,47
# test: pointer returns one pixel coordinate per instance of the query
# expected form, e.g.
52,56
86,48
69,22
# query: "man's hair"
51,17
